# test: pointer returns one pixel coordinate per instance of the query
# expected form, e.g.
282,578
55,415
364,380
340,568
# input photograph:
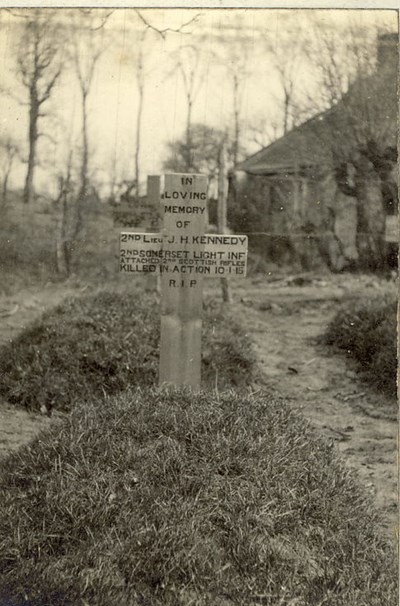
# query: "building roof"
302,147
368,109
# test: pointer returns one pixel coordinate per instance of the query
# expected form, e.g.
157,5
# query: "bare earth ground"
284,323
283,320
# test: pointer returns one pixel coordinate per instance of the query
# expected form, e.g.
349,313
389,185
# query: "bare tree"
287,53
39,65
233,55
140,82
238,71
188,62
63,240
63,170
73,173
237,90
140,55
141,70
86,49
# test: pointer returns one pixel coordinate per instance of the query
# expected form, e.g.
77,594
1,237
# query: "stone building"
323,191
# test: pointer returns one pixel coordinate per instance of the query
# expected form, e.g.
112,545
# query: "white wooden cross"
183,255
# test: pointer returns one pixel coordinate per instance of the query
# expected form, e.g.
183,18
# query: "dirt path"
284,324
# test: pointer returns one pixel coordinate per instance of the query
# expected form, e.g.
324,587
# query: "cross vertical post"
181,292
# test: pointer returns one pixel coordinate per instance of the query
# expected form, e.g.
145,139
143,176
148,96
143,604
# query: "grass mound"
367,331
168,499
104,343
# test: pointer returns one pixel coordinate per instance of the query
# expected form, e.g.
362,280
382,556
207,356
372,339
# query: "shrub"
367,332
104,343
168,499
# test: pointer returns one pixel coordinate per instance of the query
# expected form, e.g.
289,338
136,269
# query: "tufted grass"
106,342
367,332
155,498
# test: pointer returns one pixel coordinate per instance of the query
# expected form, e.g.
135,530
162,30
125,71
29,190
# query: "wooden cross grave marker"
183,254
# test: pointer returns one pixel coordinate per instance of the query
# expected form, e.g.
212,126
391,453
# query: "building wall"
295,219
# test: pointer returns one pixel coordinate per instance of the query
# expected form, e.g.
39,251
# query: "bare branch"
47,136
163,32
22,15
104,18
9,93
49,87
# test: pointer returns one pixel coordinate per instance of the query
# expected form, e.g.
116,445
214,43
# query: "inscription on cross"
183,254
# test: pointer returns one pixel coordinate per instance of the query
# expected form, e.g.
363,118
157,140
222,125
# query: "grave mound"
165,499
103,343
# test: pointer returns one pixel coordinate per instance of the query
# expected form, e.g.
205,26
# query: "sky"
113,99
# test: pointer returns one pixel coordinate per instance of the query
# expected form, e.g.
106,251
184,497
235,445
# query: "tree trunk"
82,193
222,227
370,220
62,252
85,145
368,238
370,212
286,113
138,137
5,187
33,137
329,245
236,112
189,135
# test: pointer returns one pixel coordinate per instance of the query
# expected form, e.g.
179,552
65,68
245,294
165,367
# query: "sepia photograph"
198,305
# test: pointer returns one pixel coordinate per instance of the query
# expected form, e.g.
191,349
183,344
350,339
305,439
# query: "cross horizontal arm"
219,254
